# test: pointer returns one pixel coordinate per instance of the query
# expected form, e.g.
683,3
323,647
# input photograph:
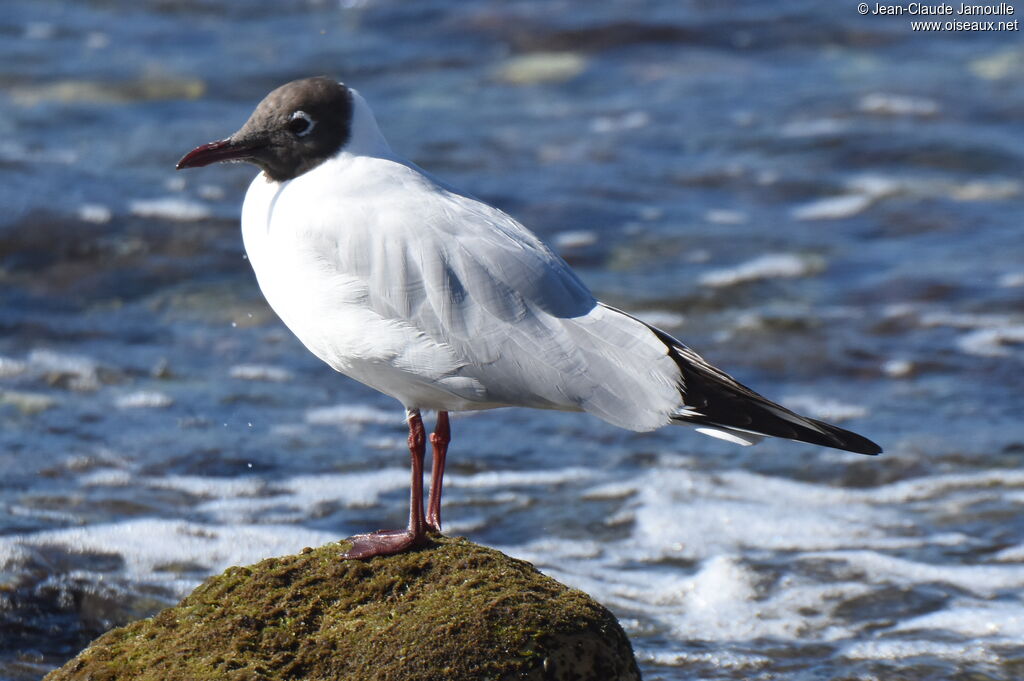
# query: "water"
825,204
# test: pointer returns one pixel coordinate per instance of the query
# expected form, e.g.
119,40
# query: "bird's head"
294,129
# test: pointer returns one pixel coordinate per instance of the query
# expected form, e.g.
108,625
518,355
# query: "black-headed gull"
403,283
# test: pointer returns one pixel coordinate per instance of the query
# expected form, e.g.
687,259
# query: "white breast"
299,235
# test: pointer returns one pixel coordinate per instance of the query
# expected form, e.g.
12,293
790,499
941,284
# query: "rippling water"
825,204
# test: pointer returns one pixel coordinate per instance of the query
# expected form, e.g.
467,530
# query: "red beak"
214,152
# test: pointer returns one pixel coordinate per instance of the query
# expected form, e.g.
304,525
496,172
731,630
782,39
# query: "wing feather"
497,318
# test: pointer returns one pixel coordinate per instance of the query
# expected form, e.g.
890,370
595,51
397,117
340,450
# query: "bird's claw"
381,543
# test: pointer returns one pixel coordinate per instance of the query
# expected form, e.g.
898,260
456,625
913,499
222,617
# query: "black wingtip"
848,440
811,431
717,399
875,450
713,398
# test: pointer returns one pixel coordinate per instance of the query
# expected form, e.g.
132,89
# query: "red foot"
390,542
381,543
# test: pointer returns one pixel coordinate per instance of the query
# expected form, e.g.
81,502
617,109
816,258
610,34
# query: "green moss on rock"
452,611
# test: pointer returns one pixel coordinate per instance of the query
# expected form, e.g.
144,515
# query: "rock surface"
452,611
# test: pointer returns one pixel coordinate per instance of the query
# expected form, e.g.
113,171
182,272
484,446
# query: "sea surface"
827,205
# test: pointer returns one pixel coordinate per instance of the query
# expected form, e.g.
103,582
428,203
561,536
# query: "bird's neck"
365,137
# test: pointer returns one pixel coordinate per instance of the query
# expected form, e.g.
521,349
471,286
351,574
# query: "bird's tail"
722,407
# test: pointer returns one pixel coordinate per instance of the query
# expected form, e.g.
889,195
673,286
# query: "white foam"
718,659
960,320
208,487
144,399
971,486
983,580
176,183
84,371
246,500
289,430
503,479
815,127
1012,554
690,559
170,208
95,40
60,517
770,266
725,216
40,30
834,207
677,513
706,514
11,367
720,581
695,518
992,342
629,120
360,489
898,368
107,477
723,603
353,415
902,649
27,402
297,499
580,238
542,67
148,544
541,550
985,190
880,186
260,372
95,213
897,105
726,520
387,443
211,192
1003,621
56,361
1011,280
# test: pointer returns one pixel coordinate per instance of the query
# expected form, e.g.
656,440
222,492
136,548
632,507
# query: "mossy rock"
452,611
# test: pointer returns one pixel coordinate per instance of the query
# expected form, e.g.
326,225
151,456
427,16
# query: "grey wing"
501,320
522,326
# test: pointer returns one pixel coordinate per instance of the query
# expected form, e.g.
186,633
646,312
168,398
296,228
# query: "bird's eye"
301,124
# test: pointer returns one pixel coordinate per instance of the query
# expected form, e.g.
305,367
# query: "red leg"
439,440
388,542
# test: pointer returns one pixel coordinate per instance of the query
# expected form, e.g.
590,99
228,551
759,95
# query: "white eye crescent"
301,123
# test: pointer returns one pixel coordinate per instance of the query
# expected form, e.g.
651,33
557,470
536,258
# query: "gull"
426,294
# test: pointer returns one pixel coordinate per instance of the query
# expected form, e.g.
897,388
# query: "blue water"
828,206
